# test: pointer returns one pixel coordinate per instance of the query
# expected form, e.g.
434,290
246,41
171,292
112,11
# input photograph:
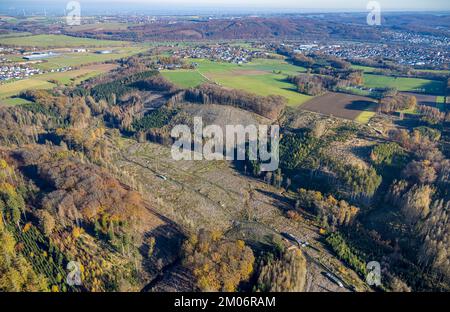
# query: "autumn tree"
420,171
46,222
397,102
16,273
435,250
328,209
218,264
287,274
416,203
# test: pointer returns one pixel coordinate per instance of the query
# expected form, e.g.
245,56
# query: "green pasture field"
262,76
410,111
266,65
14,101
184,78
9,19
275,65
365,116
14,88
369,69
73,76
404,84
48,81
365,69
77,59
14,34
439,71
15,58
62,41
266,84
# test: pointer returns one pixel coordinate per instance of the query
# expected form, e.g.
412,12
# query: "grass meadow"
14,88
262,76
404,84
62,41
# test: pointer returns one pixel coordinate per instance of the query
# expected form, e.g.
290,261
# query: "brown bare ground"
101,67
205,194
339,104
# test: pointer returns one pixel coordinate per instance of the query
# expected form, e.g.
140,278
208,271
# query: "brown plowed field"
339,104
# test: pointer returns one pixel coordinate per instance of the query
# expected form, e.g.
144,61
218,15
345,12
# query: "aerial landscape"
115,175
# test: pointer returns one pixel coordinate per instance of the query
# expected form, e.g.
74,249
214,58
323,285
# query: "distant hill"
240,28
325,26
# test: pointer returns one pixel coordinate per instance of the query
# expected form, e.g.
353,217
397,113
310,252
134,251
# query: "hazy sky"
360,5
307,4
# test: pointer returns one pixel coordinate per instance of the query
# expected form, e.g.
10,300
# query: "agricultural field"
8,19
263,84
98,27
263,65
13,101
15,34
47,81
47,41
404,84
78,59
76,76
14,88
341,105
262,76
369,69
15,58
439,71
365,69
365,116
184,78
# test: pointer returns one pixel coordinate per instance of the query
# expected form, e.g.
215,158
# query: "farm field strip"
404,84
365,116
78,59
99,27
46,81
184,78
15,34
16,87
13,101
267,84
263,77
47,41
369,69
76,76
342,105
